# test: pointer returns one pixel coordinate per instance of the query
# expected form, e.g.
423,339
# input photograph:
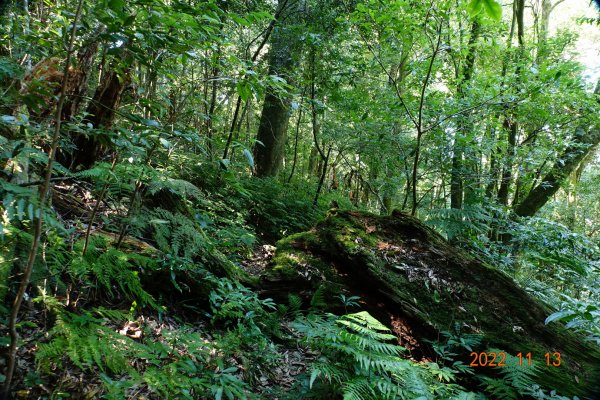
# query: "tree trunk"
411,278
76,93
464,125
295,160
510,123
101,114
584,142
272,130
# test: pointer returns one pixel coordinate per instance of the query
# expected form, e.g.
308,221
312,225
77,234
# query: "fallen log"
411,278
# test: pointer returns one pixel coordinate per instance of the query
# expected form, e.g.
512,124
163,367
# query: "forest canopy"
299,199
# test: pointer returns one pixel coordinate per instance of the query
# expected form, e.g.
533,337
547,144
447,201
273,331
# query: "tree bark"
274,120
295,160
510,123
464,125
405,272
85,60
584,142
101,114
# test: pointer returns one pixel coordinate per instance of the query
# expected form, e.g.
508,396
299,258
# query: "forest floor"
292,358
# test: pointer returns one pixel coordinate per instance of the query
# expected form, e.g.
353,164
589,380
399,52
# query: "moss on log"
404,269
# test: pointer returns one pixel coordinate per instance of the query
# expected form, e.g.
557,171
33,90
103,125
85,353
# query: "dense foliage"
150,149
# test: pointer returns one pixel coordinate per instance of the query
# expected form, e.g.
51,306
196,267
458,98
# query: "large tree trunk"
85,60
411,278
272,130
101,114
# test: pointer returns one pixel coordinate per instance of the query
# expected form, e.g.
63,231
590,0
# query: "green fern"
318,300
111,269
516,379
178,235
177,364
87,343
359,362
180,187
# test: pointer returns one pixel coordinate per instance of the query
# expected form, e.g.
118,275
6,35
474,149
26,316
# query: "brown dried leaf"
383,246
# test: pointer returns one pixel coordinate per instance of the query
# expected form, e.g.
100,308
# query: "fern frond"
181,187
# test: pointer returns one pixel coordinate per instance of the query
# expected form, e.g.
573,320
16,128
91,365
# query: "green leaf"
240,20
558,316
116,5
150,122
129,20
158,221
314,374
493,9
224,163
244,90
249,157
165,143
474,7
436,296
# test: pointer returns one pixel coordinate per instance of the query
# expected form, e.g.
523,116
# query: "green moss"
294,259
420,275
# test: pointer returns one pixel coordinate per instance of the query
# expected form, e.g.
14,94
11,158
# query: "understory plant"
358,360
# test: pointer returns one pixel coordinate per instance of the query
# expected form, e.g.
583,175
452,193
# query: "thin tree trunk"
213,101
494,168
419,122
322,178
510,123
37,231
464,125
296,140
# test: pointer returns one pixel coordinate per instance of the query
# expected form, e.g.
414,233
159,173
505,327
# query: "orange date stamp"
498,359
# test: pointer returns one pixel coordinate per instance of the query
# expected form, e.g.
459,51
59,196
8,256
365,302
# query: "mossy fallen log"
408,273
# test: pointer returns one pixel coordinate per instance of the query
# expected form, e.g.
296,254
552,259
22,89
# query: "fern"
358,361
110,269
318,298
176,234
232,302
180,187
516,379
295,302
87,343
176,364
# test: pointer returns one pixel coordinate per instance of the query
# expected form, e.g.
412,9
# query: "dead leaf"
383,246
131,329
